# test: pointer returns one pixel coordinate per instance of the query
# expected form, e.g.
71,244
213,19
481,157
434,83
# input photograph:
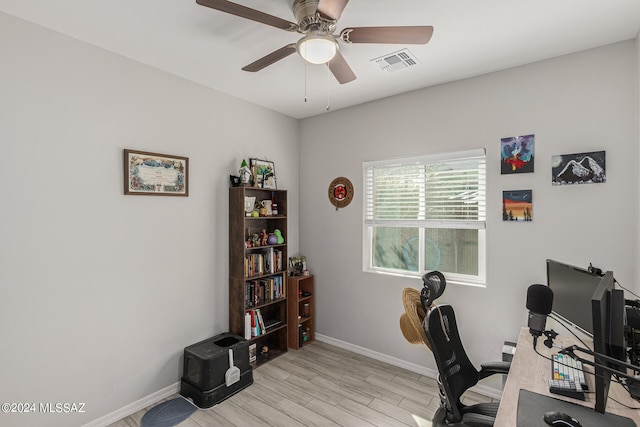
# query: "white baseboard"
413,367
134,407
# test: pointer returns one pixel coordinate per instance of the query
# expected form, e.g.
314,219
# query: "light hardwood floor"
323,385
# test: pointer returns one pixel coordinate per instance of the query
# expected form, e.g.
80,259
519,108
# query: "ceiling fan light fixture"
317,48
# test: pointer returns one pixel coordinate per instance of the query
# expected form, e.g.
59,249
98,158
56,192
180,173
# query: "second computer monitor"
572,289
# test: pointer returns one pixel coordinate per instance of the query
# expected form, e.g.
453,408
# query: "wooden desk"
531,372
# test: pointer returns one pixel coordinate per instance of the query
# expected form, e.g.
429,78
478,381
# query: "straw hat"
412,318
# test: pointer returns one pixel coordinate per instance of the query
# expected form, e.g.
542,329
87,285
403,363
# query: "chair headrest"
434,285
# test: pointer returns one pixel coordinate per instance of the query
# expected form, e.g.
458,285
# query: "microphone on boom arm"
539,304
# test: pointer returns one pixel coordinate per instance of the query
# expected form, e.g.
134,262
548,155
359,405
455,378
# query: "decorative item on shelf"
234,180
244,173
254,174
274,208
254,214
266,204
279,238
297,265
340,192
262,211
264,173
249,205
263,237
272,239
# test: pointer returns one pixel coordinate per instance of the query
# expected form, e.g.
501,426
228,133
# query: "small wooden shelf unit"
301,327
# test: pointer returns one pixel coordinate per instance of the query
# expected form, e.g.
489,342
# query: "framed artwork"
579,168
518,153
297,265
517,205
154,174
264,173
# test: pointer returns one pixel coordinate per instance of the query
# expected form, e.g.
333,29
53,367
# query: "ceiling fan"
317,20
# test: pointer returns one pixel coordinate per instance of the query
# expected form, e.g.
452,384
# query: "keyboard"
567,377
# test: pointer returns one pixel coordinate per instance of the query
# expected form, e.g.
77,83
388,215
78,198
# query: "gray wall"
577,103
100,292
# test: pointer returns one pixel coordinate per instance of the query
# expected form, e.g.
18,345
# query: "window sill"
456,280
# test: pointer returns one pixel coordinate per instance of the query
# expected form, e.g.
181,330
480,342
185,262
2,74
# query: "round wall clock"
340,192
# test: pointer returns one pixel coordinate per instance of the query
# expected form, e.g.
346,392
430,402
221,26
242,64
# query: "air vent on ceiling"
396,61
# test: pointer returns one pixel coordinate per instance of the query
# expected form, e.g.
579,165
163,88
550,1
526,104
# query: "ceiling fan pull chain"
328,77
305,81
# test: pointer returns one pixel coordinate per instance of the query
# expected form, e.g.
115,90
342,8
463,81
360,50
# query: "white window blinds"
444,191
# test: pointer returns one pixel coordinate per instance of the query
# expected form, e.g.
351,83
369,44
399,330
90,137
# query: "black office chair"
456,372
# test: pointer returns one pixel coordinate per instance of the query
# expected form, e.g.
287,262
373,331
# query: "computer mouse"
560,419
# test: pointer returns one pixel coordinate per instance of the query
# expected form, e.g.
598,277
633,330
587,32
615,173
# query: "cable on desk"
570,331
624,289
622,404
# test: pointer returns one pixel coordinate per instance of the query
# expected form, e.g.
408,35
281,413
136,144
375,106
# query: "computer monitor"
572,289
609,318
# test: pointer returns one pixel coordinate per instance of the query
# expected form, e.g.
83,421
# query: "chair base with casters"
456,373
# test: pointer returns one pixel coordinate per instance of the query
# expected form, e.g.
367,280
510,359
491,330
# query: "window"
426,213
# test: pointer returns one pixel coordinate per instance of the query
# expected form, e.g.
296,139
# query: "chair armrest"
487,369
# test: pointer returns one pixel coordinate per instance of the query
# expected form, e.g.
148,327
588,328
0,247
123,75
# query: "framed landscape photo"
264,173
155,174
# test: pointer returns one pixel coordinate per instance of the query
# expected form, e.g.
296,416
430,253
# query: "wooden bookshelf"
301,320
258,272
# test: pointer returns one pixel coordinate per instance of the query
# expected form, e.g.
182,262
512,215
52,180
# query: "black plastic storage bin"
205,365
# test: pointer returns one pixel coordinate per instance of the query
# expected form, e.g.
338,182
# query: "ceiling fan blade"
248,13
331,9
269,59
340,69
387,35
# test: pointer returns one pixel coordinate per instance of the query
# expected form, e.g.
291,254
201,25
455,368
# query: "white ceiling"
471,37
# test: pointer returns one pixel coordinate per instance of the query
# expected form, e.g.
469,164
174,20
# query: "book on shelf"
300,335
255,326
263,291
260,321
278,260
268,261
247,326
272,323
253,265
268,256
252,353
